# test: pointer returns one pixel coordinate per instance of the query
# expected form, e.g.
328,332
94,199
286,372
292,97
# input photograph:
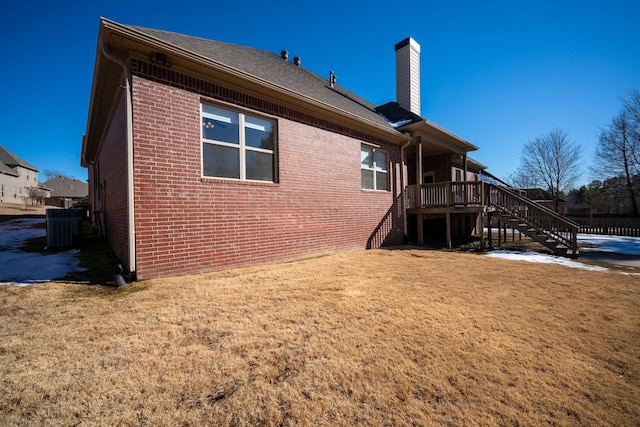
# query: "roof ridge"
270,67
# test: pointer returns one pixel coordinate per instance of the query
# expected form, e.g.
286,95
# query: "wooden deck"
510,208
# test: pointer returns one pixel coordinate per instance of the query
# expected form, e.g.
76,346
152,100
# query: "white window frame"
374,168
241,146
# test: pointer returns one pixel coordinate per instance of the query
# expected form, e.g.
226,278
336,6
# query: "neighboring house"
205,155
545,198
64,191
16,177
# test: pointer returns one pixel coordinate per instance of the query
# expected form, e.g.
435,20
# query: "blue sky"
496,73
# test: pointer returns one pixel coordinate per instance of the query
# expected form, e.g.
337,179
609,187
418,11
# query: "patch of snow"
542,258
400,123
395,124
23,268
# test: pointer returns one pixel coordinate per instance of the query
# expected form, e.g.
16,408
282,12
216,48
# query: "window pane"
258,133
219,124
259,166
380,158
366,156
367,179
381,181
219,161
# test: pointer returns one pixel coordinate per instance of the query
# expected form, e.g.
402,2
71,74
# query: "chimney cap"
406,42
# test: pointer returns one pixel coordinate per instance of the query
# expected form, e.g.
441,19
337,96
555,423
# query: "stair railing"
543,219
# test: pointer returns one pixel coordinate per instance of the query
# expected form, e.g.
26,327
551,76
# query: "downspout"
130,200
402,185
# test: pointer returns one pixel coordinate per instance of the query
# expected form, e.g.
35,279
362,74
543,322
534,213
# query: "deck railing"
445,194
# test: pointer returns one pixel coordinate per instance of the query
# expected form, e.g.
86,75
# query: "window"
374,168
237,145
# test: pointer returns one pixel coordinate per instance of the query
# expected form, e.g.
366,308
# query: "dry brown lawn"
404,337
16,209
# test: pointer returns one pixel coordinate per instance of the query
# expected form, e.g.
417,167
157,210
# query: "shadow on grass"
96,258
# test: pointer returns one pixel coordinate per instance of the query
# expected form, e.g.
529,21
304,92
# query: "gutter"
106,51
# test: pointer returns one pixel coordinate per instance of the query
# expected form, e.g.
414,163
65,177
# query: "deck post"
504,231
465,190
489,219
480,225
449,244
419,179
420,229
447,194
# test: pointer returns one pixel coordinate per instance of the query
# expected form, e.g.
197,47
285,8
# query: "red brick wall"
108,184
188,224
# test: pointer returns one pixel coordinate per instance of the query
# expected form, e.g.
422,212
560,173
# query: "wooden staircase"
539,223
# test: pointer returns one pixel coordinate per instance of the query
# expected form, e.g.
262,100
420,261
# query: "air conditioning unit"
62,226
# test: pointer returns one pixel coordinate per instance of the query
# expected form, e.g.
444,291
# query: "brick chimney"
408,74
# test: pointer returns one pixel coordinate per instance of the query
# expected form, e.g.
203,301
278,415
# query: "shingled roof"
272,68
62,186
8,161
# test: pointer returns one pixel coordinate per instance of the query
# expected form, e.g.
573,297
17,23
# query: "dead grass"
404,337
19,209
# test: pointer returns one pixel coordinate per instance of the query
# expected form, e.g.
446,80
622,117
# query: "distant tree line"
553,162
610,196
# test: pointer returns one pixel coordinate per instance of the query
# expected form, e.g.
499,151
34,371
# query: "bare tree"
523,178
34,196
555,160
618,152
52,173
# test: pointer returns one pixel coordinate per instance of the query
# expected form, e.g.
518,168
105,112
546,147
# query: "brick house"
205,155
